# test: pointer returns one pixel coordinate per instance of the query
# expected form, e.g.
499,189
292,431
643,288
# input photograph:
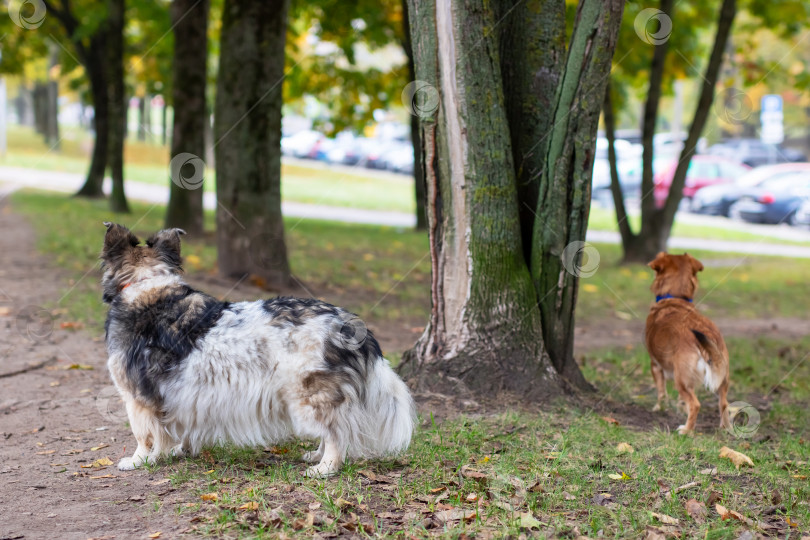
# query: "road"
12,178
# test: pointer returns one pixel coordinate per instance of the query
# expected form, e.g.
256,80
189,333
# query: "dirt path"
53,417
59,414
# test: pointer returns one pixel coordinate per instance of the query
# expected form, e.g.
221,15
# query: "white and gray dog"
195,371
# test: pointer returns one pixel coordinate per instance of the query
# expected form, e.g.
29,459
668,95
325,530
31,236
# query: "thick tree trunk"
52,101
118,108
190,18
490,324
418,176
558,248
250,229
97,73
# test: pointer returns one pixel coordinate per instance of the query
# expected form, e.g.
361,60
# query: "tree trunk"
418,176
615,185
656,224
164,122
142,117
491,326
97,73
118,108
190,18
52,100
250,229
40,105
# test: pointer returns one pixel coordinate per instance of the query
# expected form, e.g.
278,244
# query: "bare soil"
62,427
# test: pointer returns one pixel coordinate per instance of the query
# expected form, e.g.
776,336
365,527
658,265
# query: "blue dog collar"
667,296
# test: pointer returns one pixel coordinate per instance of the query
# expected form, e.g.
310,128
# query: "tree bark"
615,185
118,108
96,69
190,18
418,177
490,325
142,118
250,229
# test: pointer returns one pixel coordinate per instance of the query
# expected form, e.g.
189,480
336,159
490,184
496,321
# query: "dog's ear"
697,266
658,263
166,244
117,241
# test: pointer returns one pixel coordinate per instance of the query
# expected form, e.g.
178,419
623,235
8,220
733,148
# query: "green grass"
602,219
149,163
381,273
552,472
545,472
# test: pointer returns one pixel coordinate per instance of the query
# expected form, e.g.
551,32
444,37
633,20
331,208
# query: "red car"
704,170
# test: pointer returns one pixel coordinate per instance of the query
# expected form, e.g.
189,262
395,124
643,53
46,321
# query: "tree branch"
728,11
650,118
615,186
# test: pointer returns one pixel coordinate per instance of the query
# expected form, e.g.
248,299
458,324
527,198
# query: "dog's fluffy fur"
195,371
684,345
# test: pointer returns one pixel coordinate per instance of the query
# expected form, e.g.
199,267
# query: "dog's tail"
713,355
390,410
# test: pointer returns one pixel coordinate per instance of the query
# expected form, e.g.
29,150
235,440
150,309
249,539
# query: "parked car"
703,171
716,200
754,152
802,216
304,144
773,201
399,158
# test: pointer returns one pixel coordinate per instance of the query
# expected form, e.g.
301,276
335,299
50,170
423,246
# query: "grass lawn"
560,470
149,163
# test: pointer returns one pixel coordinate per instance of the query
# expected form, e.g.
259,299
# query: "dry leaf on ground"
212,497
663,518
737,458
696,510
624,448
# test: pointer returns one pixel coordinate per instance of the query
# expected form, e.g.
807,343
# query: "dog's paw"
312,456
129,464
177,451
683,431
321,470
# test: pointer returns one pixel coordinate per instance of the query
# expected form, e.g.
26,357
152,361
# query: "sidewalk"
12,178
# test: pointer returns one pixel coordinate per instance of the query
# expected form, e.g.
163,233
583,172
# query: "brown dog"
683,344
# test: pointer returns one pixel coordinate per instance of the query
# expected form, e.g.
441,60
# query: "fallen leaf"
213,497
623,476
471,497
737,458
103,462
102,476
342,503
663,518
5,311
438,489
466,472
45,452
99,447
155,535
711,471
528,521
610,420
55,383
253,505
696,510
713,497
82,367
624,448
568,497
368,474
725,514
